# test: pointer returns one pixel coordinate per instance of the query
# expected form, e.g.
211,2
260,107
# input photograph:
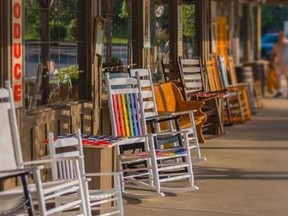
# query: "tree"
273,18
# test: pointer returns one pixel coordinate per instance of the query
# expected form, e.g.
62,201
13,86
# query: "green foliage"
69,72
71,30
62,20
32,21
124,11
188,14
273,18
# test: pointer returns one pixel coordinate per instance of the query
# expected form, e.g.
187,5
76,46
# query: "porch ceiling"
275,2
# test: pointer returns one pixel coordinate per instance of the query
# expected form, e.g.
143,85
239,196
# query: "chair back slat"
136,115
116,115
191,77
210,75
196,86
121,115
126,116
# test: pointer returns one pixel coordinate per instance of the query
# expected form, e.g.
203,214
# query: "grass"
117,40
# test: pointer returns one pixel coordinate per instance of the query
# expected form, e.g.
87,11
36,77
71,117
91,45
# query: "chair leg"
229,121
201,138
27,195
119,194
41,201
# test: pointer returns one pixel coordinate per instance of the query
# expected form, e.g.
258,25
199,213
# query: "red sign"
17,52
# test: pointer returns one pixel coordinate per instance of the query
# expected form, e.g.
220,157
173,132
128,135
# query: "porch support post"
5,42
137,34
176,36
257,12
203,29
246,32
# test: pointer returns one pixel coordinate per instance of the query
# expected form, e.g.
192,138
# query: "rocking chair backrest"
171,73
58,149
191,72
210,75
214,80
232,72
126,113
146,88
222,71
11,157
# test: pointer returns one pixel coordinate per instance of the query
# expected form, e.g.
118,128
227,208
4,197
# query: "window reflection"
52,43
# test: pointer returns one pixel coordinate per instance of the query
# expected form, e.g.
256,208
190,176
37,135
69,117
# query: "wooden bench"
169,100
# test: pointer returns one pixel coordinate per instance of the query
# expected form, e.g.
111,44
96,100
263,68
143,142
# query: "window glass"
117,42
189,26
51,47
161,29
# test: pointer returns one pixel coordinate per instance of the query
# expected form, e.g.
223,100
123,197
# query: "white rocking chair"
147,96
46,193
127,119
99,202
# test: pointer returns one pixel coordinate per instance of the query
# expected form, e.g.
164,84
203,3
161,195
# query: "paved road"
246,172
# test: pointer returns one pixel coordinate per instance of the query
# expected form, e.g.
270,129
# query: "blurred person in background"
279,60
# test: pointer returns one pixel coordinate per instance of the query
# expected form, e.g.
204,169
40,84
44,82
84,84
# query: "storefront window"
117,42
51,52
189,30
161,29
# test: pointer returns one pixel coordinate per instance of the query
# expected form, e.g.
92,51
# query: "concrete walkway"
246,172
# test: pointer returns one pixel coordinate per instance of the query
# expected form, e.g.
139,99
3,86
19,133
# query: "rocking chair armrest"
49,160
164,116
184,112
4,174
102,174
193,104
222,91
167,116
235,88
238,85
187,106
208,98
171,133
133,139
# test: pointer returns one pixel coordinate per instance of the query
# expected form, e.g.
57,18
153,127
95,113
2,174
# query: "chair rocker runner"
127,119
170,121
47,192
99,202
